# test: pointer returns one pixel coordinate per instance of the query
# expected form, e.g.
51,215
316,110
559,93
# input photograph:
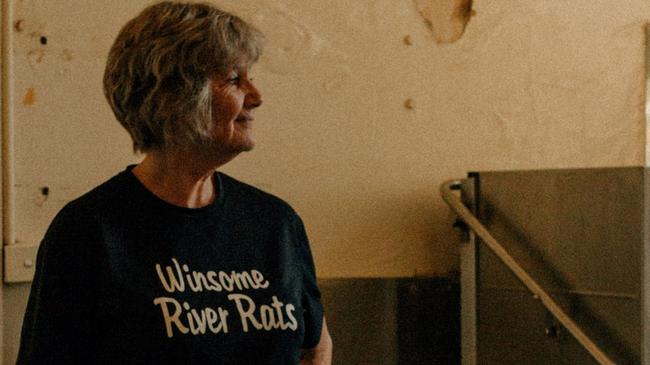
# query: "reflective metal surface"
580,234
474,225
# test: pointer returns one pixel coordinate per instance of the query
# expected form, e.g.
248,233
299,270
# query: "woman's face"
234,98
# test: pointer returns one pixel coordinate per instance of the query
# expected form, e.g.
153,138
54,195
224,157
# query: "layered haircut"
157,77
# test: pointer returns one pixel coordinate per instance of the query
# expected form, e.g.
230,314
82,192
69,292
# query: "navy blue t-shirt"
123,277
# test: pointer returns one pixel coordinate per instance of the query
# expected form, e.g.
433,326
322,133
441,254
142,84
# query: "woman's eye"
234,80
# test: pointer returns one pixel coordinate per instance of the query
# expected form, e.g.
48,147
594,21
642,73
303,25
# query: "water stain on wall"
446,19
30,97
67,55
38,35
19,25
37,40
35,56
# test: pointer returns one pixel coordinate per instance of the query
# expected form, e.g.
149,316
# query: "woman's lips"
244,118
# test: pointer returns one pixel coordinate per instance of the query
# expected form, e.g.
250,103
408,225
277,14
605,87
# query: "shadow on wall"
393,321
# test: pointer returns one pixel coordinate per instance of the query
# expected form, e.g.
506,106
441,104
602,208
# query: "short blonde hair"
157,77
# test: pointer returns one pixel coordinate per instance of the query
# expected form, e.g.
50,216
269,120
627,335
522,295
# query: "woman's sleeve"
58,323
311,297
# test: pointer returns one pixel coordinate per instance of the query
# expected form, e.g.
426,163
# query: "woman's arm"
322,353
58,325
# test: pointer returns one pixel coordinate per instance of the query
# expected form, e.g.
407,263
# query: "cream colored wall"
530,84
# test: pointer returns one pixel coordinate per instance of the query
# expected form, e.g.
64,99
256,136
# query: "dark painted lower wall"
390,321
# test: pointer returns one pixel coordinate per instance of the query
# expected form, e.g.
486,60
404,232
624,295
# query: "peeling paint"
30,97
295,42
409,104
407,40
446,19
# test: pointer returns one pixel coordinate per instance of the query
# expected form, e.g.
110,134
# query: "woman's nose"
253,97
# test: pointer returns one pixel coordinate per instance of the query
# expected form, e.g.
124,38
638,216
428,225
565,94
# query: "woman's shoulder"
253,197
85,207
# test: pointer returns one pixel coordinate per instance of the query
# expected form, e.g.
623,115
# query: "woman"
171,261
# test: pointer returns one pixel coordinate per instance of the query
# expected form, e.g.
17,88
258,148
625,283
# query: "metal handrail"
454,202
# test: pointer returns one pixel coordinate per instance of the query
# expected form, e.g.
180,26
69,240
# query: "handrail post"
475,225
468,280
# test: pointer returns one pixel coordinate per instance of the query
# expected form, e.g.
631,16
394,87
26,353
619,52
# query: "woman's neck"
178,178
